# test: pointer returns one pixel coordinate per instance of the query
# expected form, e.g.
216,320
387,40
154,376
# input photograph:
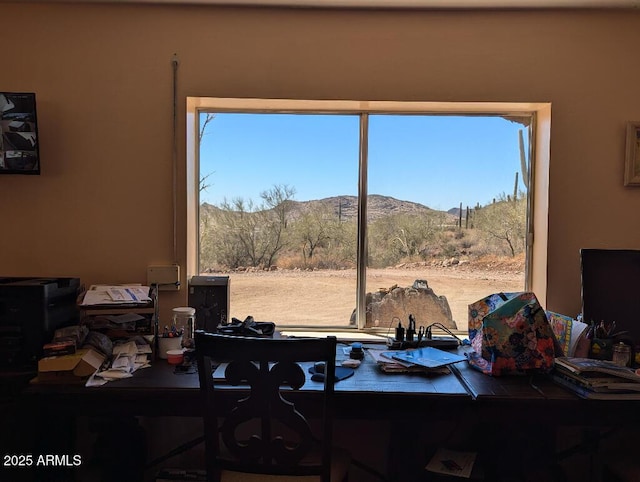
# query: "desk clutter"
77,355
111,340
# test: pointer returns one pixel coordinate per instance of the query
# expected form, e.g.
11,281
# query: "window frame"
538,192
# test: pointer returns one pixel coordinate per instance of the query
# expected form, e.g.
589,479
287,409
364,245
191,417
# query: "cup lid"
185,310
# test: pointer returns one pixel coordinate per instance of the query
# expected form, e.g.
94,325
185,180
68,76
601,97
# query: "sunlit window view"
440,201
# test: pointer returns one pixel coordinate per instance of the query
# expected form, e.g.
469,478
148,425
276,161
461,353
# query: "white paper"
116,295
452,462
129,348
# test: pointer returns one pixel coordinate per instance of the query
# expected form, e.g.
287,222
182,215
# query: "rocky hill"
347,207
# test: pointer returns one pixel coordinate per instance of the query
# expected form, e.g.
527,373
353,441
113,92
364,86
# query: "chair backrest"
264,432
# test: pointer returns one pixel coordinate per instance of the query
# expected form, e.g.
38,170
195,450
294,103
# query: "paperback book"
597,379
568,331
587,393
586,365
597,383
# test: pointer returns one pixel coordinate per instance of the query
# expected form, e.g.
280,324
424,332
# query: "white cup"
166,344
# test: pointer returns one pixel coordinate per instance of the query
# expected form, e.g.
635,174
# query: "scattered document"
127,359
116,295
452,462
129,348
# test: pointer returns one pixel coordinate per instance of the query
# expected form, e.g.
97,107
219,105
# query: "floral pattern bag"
510,334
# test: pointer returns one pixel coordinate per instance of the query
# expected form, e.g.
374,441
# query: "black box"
30,311
209,295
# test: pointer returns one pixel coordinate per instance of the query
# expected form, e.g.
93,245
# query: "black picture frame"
19,142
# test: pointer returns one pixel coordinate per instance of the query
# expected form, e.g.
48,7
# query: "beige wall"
102,207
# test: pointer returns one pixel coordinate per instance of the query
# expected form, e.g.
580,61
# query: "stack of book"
597,379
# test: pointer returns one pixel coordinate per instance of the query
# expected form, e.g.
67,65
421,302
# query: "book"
568,331
584,392
591,381
582,365
429,357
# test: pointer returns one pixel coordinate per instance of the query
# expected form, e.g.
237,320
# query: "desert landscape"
327,297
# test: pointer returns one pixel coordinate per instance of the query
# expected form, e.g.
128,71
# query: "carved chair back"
261,427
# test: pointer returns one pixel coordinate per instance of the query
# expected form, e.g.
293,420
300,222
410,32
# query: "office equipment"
119,310
611,289
272,451
30,311
209,295
19,147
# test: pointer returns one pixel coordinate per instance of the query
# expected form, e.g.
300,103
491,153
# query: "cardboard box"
70,368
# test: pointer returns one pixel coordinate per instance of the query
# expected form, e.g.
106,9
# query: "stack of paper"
115,295
387,363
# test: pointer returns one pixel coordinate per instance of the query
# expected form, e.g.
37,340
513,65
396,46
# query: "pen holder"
166,344
602,348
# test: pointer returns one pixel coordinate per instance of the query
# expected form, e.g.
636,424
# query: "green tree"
314,229
505,220
394,238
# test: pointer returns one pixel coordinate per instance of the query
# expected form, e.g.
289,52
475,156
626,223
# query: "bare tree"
208,117
250,234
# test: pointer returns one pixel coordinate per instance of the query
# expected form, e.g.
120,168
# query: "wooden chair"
265,436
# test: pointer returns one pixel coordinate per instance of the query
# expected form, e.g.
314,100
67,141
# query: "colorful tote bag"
510,334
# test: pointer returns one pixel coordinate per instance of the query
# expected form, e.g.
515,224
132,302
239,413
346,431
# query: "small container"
621,354
184,318
175,357
168,344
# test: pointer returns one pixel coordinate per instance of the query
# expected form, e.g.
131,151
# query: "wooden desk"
400,400
159,390
522,411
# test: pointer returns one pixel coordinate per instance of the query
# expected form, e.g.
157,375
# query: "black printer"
31,309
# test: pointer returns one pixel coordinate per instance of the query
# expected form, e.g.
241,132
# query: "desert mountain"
346,207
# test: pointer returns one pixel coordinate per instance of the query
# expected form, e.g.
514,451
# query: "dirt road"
327,297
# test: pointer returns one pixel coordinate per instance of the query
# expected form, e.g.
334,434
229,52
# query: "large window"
346,215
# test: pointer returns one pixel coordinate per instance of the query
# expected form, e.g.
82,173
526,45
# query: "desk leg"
53,450
406,452
521,451
120,449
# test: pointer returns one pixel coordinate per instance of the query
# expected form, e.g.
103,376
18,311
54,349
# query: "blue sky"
438,161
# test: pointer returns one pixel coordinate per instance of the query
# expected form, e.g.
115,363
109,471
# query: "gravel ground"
327,297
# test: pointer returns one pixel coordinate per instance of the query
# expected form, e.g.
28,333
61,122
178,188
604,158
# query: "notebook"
428,357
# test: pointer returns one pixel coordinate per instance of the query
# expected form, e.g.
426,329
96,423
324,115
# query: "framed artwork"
632,159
